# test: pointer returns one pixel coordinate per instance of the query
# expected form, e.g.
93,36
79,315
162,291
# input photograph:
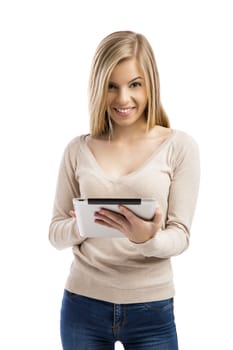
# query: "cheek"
109,100
141,97
143,101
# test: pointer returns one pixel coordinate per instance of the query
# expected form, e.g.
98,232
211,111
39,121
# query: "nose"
123,96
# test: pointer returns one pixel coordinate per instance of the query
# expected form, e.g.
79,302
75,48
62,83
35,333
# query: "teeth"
125,110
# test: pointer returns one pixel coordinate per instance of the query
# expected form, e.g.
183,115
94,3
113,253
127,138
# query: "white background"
46,49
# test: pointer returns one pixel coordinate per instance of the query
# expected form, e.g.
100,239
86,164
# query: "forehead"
126,70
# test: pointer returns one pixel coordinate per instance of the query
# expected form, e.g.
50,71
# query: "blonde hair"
113,49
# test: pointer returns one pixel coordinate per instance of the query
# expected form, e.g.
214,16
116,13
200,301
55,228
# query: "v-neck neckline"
131,173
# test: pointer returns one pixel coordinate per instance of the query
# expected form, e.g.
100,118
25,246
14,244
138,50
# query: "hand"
72,213
134,228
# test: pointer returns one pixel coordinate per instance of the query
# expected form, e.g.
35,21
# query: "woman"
122,288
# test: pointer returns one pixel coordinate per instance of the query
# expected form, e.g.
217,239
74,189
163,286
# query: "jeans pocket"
69,294
73,309
159,306
160,313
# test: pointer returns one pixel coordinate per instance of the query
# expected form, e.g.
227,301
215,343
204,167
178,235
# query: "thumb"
158,216
72,213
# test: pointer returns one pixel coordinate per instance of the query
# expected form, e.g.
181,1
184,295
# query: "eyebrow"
135,79
129,82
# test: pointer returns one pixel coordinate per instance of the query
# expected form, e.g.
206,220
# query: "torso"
119,158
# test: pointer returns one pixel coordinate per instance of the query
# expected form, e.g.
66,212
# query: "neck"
128,133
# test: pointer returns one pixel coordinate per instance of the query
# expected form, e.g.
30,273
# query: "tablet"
85,209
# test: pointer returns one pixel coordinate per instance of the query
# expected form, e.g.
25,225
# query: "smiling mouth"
124,110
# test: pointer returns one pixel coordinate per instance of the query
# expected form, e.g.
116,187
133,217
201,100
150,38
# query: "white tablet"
86,208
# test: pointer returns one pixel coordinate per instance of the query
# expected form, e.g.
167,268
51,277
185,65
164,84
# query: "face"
127,96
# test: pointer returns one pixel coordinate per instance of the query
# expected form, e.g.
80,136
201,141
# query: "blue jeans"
90,324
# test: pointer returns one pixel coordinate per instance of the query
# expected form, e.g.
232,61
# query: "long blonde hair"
113,49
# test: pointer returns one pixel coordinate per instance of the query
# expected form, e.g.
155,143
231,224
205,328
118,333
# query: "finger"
107,222
110,219
106,217
72,213
128,214
158,216
111,215
103,223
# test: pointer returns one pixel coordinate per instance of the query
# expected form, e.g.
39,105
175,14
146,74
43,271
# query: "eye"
111,87
135,84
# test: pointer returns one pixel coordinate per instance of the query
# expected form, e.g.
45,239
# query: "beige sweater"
115,269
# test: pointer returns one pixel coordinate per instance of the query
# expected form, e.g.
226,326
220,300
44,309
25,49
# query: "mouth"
124,111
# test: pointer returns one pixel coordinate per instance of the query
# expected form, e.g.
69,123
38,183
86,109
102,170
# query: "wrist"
141,242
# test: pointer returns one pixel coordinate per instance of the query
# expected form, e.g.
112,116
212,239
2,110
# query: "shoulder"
74,144
183,140
183,137
73,148
184,146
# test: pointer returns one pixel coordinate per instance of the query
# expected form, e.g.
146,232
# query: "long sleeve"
63,230
173,239
115,269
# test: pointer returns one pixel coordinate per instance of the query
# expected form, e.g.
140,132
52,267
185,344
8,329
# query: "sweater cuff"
153,247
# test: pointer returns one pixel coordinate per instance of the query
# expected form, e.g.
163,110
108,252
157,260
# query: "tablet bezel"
86,207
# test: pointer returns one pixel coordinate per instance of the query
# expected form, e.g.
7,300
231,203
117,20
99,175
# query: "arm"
63,230
173,239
